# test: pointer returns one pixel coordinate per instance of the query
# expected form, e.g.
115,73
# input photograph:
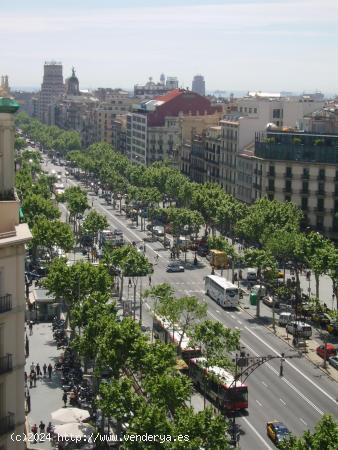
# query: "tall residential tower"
52,87
198,85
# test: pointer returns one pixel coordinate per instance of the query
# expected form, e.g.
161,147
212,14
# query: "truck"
218,259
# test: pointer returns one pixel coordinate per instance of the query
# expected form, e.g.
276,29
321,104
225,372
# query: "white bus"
222,291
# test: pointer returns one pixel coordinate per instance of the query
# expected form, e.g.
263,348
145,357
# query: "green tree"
324,436
35,206
93,223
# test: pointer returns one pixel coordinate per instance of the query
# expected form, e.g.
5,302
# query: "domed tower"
72,84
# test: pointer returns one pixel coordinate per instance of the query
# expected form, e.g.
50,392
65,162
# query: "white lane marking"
294,367
256,433
309,402
284,403
264,384
259,403
231,315
218,311
212,315
237,328
238,321
302,420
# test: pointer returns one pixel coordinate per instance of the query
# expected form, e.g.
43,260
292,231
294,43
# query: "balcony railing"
7,423
6,363
321,192
288,175
5,303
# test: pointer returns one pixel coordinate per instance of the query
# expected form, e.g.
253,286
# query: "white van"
259,289
285,317
251,274
301,329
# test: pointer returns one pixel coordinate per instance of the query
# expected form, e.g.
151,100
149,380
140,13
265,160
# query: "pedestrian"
34,378
32,367
34,430
38,370
28,402
64,398
27,346
31,328
92,202
30,380
149,278
42,427
26,378
44,367
49,428
50,369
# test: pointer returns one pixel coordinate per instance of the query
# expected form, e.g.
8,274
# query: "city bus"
222,291
219,385
170,334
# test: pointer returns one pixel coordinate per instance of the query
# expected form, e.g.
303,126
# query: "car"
330,351
333,361
158,230
277,431
175,267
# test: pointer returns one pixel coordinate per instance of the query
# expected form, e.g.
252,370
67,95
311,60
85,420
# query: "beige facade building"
13,237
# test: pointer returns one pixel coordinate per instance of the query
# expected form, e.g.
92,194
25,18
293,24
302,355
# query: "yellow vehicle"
218,259
277,431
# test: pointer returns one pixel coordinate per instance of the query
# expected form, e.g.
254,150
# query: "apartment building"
302,168
156,128
51,88
13,237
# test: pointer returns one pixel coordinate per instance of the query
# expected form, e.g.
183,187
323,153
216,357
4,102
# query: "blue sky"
235,44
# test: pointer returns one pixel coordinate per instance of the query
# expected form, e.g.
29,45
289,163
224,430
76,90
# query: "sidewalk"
46,397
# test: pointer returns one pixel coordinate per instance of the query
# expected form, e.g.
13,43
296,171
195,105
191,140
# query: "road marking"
212,315
218,311
284,403
238,321
309,402
231,315
257,401
264,384
302,420
256,433
237,328
294,367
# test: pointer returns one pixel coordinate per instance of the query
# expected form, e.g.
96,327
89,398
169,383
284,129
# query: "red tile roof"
170,95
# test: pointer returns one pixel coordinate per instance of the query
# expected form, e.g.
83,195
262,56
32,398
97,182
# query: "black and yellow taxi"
277,431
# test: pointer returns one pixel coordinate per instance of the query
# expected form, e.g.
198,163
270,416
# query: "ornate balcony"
6,363
7,423
5,303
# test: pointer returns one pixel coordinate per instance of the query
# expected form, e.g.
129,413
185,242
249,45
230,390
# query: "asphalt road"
299,398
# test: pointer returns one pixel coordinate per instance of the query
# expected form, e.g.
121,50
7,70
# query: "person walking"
30,326
64,398
26,377
44,368
149,278
30,380
34,430
42,427
32,367
38,370
50,369
34,377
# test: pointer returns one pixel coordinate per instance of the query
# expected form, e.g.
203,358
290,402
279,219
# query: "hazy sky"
235,44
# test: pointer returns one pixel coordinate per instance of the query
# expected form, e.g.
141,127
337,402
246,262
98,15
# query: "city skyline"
242,45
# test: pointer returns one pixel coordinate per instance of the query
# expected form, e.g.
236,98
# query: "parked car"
301,329
277,431
333,361
158,230
330,351
175,266
285,318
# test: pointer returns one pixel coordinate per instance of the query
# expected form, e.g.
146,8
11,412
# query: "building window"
255,110
306,173
276,113
271,186
288,187
304,203
305,188
321,174
321,188
320,204
319,222
271,172
287,198
288,172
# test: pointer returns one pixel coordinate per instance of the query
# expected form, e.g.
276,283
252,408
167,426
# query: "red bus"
219,385
170,334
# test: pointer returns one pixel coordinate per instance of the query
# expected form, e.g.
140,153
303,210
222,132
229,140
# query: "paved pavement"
46,397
